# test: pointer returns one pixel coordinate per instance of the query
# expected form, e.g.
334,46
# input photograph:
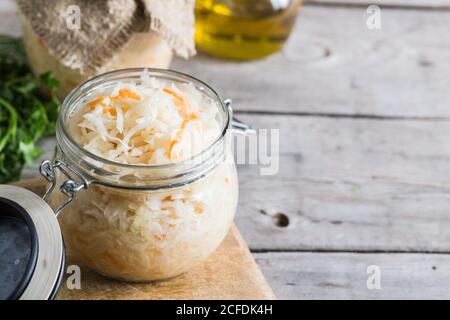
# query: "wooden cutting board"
229,273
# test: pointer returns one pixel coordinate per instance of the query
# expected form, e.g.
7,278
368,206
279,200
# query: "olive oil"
244,29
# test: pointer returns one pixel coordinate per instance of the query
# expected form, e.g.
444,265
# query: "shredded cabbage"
147,123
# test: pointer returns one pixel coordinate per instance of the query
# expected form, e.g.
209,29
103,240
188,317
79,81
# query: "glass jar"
244,29
142,222
143,49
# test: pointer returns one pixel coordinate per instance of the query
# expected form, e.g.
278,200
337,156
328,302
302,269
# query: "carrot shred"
183,108
198,207
185,112
93,103
125,93
110,109
168,198
146,156
169,151
138,141
125,106
173,216
177,97
177,138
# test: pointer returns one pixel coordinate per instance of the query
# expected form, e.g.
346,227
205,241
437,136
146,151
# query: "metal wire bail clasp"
237,125
69,187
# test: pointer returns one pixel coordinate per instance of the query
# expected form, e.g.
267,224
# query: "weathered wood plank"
351,184
334,64
9,19
344,275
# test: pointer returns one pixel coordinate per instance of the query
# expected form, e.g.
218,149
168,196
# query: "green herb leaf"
28,109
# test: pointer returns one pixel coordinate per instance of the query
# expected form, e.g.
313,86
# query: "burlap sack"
105,26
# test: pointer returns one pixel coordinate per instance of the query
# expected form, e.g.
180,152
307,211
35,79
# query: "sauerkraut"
142,235
150,122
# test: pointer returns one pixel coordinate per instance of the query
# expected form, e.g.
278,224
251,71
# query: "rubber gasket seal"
18,212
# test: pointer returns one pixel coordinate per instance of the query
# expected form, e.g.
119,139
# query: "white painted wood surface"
313,275
351,184
364,176
10,23
334,64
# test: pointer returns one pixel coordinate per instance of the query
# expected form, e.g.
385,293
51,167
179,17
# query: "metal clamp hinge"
69,187
237,125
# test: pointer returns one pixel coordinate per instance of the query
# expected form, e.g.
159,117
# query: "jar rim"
94,82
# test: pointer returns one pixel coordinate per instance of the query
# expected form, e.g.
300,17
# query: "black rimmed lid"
31,246
18,249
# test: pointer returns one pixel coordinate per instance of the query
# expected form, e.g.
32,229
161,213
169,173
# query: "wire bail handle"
69,187
237,125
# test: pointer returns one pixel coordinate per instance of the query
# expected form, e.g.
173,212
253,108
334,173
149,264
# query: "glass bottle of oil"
244,29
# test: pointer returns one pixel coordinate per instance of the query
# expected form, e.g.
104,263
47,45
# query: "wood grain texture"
9,18
334,64
346,184
311,275
229,273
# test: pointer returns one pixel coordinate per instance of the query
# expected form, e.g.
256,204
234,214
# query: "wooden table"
364,119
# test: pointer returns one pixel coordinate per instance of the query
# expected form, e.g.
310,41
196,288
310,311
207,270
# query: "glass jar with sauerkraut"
146,175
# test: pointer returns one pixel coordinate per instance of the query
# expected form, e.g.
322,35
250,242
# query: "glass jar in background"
144,49
244,29
142,222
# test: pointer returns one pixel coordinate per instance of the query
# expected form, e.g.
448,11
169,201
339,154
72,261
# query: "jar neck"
151,177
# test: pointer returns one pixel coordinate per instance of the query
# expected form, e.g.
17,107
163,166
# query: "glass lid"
31,246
